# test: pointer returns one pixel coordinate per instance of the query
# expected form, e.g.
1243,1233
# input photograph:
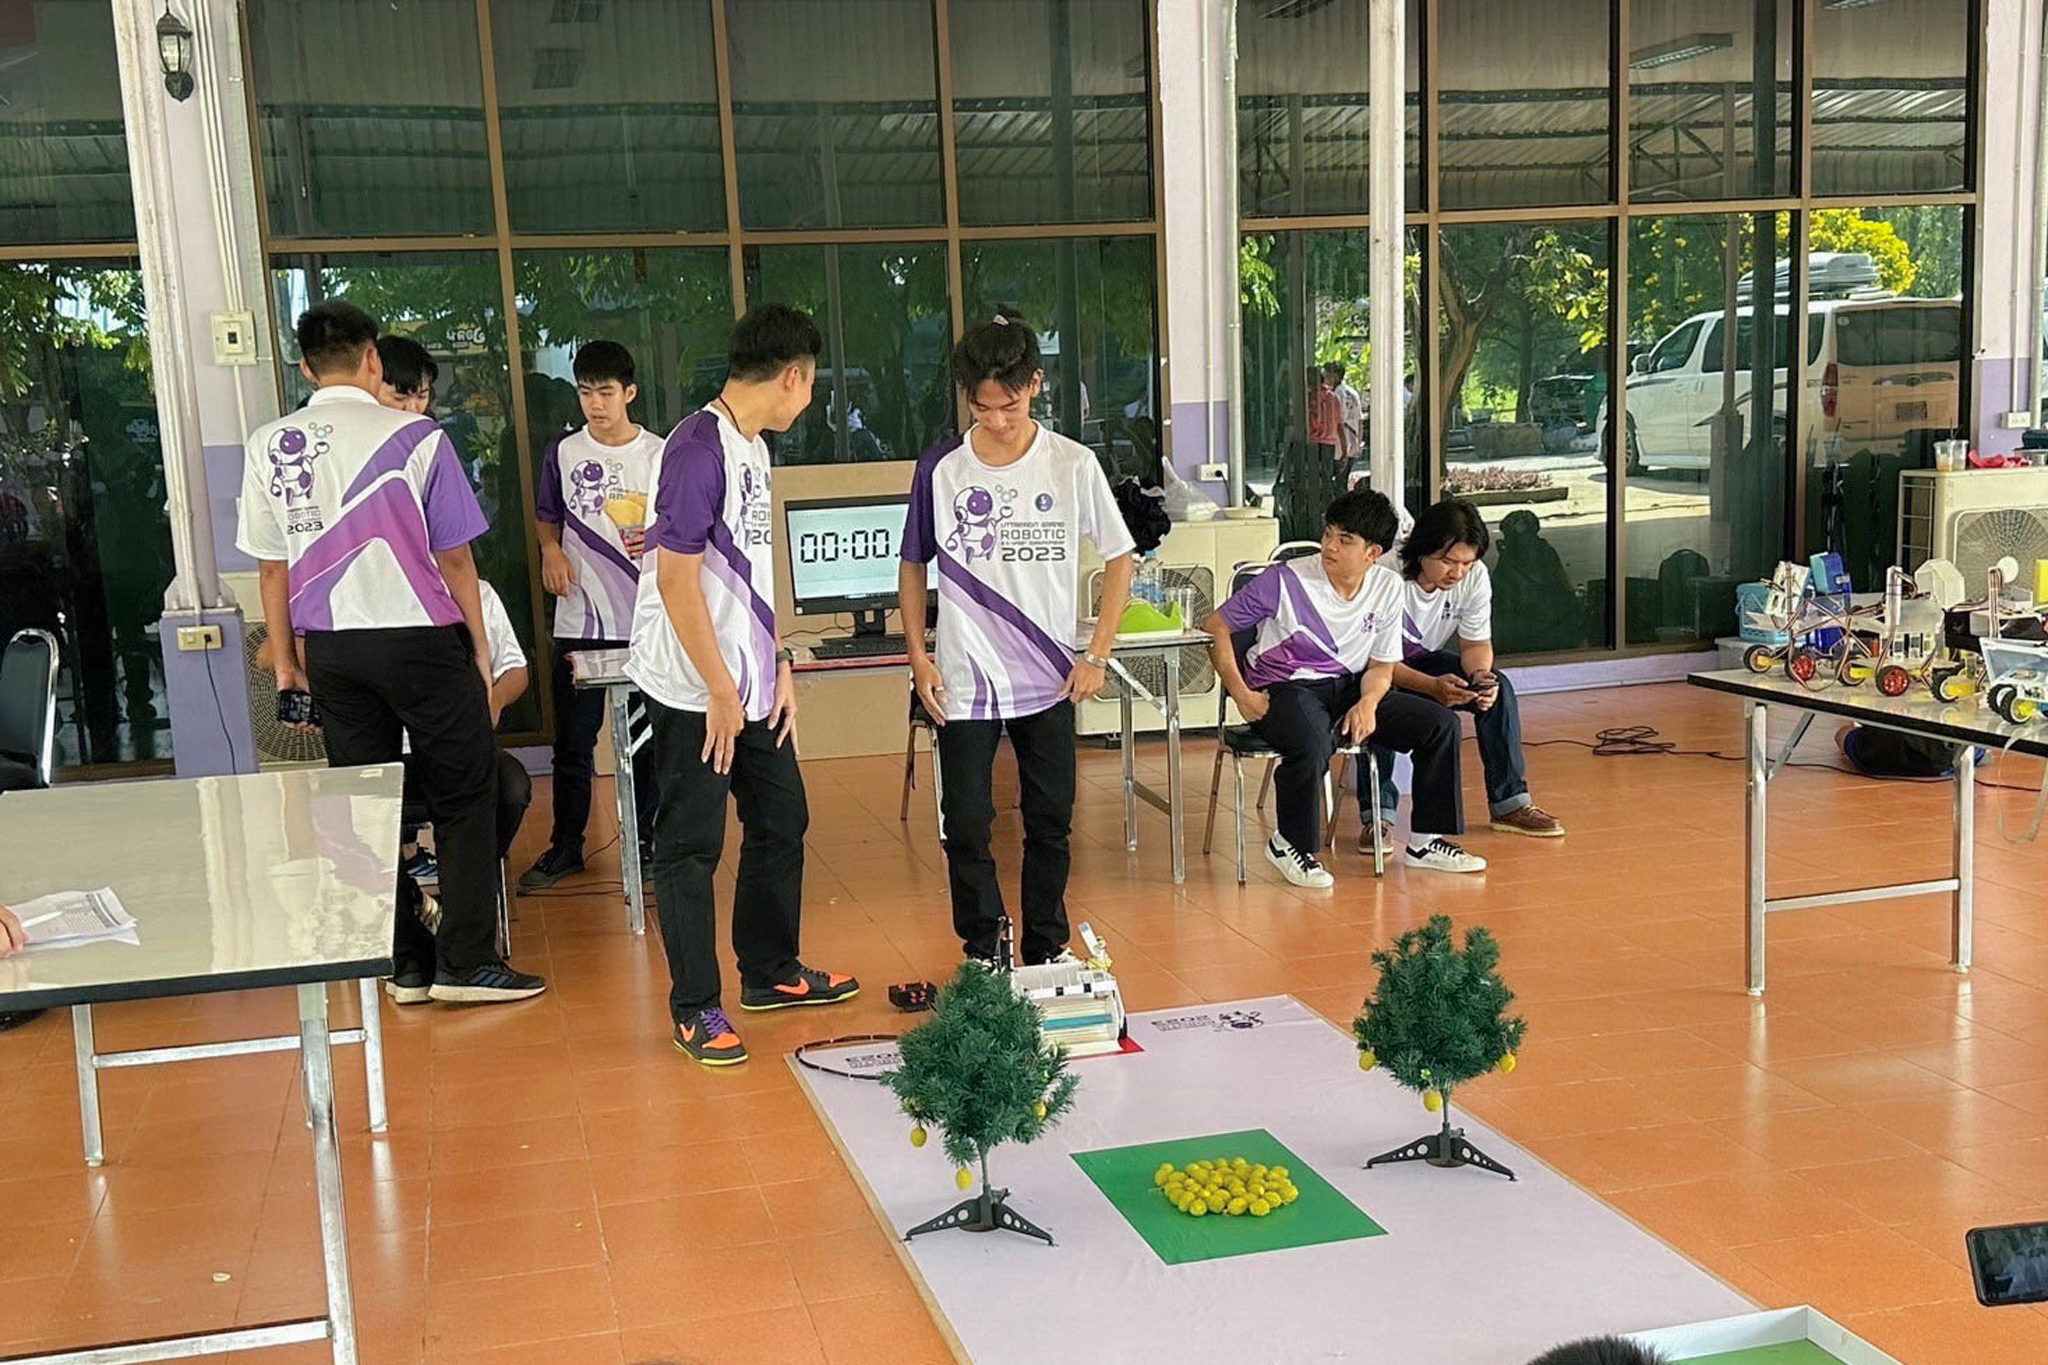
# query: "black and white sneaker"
1441,855
422,867
410,985
1300,868
485,984
551,867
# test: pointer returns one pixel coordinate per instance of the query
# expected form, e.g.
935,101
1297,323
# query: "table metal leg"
373,1051
629,808
1175,792
88,1085
1963,927
1756,881
1125,687
317,1066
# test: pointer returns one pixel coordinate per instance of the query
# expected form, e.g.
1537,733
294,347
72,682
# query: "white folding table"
235,883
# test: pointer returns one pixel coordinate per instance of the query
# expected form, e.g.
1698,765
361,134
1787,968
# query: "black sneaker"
809,987
551,867
422,867
709,1036
410,985
484,984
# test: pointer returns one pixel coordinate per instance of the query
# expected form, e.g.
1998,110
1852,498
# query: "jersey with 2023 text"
1307,629
711,498
356,499
593,492
1434,620
1007,544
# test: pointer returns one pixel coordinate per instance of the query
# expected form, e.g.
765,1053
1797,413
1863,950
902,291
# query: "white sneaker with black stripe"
1438,854
1300,868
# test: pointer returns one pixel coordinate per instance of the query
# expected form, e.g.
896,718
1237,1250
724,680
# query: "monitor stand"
870,623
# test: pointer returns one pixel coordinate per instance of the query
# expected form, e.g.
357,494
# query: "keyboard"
860,647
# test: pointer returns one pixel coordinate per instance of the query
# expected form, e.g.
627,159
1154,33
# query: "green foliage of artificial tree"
1438,1016
979,1070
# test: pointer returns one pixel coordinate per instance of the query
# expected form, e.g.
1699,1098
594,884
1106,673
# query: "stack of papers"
71,919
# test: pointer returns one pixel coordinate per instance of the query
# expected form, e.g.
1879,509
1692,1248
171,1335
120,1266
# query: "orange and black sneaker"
710,1037
808,987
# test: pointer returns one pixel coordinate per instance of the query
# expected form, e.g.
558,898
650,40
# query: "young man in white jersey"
1319,636
361,518
1449,602
592,512
1002,511
720,694
409,374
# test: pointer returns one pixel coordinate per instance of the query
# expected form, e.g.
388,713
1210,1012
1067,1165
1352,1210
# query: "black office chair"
1240,742
921,719
28,711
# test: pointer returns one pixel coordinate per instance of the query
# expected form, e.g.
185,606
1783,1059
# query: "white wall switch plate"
2017,421
234,339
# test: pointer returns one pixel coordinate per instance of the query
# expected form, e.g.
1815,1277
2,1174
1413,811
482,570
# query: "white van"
1876,369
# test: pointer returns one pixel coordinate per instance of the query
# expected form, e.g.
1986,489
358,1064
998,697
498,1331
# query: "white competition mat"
1473,1269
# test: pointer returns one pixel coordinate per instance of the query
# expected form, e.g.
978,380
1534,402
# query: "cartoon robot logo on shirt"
588,481
292,453
977,519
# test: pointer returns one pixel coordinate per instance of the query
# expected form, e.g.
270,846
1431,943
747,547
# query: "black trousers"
1044,745
689,839
579,715
1301,725
515,794
1416,726
373,687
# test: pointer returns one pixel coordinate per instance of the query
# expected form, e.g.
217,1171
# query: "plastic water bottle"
1147,588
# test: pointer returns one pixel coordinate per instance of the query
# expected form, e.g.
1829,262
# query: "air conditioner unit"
1972,518
1198,554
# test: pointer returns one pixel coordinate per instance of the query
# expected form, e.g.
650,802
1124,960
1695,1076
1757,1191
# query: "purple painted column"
209,696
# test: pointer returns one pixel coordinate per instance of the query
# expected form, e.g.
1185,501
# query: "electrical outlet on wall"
2017,421
1213,473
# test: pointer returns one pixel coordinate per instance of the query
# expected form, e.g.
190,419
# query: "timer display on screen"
844,552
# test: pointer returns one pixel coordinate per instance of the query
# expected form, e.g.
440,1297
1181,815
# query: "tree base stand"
985,1212
1445,1147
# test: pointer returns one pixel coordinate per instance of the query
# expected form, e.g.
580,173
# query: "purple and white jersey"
711,498
1007,541
579,475
1306,630
356,498
1434,620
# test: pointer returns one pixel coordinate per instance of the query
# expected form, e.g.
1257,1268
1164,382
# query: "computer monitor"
843,554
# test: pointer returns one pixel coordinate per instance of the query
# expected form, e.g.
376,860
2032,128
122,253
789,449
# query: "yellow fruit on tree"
964,1178
917,1136
1507,1063
1038,1111
1367,1060
1432,1100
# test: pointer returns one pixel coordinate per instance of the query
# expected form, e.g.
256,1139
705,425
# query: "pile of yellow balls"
1231,1186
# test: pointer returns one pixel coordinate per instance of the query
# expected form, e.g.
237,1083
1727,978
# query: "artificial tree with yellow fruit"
1436,1019
981,1073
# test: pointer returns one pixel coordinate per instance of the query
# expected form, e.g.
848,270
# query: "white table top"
273,879
1918,712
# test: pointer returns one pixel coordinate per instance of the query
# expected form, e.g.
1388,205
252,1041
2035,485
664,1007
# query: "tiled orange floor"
559,1188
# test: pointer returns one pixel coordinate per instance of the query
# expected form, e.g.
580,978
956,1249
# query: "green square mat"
1791,1353
1321,1214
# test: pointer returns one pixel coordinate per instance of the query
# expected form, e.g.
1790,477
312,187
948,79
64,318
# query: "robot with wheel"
1821,630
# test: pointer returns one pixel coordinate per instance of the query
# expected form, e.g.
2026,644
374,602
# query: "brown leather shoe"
1387,840
1533,821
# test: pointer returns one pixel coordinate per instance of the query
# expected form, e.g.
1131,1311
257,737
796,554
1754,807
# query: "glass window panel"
448,302
1526,103
1890,96
836,112
1706,482
1888,378
63,157
1302,109
389,140
1052,112
610,115
1699,73
1523,344
884,390
85,544
1306,303
671,307
1093,303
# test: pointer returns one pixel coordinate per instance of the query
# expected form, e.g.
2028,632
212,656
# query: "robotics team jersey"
591,491
1307,631
1432,620
711,498
356,498
1007,542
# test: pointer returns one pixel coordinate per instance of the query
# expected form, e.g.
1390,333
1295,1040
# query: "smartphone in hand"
296,708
